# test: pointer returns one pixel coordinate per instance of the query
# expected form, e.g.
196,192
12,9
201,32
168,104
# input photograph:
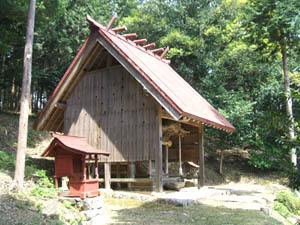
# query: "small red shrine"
77,160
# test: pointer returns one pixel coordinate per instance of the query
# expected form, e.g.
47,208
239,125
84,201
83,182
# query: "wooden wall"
112,110
189,143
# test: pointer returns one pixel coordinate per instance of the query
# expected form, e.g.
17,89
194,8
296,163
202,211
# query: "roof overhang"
100,36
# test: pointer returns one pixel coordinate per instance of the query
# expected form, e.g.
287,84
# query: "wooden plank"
166,160
201,174
127,118
145,126
158,161
118,113
128,180
131,112
97,93
102,118
77,68
154,134
166,115
136,74
107,175
139,121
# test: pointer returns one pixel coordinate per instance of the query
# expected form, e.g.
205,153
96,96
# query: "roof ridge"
127,40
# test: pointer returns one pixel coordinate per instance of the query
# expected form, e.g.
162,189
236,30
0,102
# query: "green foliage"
286,203
293,173
7,161
44,187
281,209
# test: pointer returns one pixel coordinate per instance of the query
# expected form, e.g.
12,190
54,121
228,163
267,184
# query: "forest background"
228,50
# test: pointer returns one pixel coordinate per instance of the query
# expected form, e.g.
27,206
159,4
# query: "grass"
131,211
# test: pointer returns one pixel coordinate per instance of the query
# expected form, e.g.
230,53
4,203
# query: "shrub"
281,209
289,200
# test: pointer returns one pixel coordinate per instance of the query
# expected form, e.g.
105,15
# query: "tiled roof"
73,144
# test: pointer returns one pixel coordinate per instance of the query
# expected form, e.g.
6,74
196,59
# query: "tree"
25,100
273,27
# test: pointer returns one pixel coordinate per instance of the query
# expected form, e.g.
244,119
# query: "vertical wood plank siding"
111,109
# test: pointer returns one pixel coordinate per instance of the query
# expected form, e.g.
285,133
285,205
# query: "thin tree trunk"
289,103
25,101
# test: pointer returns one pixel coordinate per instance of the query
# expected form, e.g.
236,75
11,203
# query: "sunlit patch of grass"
137,212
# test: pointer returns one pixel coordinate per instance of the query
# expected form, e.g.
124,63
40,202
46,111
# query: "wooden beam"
164,53
179,147
167,160
118,174
201,174
166,115
129,180
60,105
96,53
111,22
130,36
140,41
119,29
157,50
131,171
221,162
107,174
151,45
158,160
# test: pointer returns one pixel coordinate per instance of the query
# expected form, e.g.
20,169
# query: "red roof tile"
74,144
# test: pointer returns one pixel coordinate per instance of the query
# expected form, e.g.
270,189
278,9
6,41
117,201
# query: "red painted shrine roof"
186,102
76,145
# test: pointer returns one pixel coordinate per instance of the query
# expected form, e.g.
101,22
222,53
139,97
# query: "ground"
39,205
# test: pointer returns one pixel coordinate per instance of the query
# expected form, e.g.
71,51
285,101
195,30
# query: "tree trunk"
25,100
289,103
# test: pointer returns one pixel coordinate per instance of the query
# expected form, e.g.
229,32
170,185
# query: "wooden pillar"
150,169
107,168
167,160
158,158
96,167
131,172
179,146
118,174
84,168
56,181
201,173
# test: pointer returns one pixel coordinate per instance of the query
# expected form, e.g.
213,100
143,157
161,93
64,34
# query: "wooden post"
201,174
118,174
167,160
221,162
107,167
158,160
83,167
179,145
96,167
56,181
150,169
131,172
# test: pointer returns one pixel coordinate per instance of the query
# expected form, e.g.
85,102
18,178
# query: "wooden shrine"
77,160
125,98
